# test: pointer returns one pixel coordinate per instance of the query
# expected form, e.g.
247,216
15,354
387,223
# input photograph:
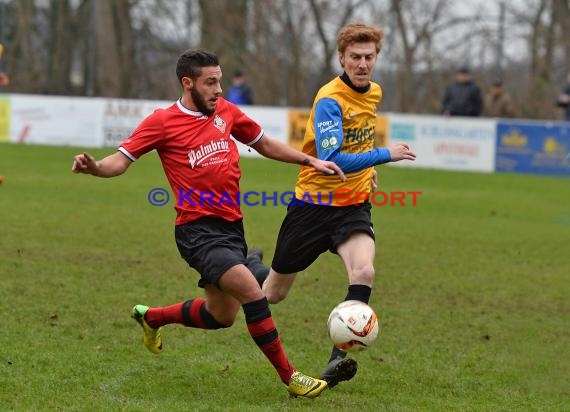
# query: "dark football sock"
262,329
192,313
359,292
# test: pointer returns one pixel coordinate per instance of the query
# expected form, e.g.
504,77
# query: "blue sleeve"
329,137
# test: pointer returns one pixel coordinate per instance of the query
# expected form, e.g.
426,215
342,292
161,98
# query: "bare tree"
539,93
562,17
280,53
114,45
419,25
224,26
265,54
24,70
60,45
287,48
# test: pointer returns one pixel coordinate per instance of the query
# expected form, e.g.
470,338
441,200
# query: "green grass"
472,292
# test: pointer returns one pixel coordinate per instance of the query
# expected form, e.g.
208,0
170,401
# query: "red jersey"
199,158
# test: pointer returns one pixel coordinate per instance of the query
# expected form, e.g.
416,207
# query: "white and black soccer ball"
353,326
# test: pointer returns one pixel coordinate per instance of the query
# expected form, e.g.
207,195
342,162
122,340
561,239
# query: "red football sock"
262,329
192,313
157,317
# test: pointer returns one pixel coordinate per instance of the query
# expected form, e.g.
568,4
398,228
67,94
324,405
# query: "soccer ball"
353,326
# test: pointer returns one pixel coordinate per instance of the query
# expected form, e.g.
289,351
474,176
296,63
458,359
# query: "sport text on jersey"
328,126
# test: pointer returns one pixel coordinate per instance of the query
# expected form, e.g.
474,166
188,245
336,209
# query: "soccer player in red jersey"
192,138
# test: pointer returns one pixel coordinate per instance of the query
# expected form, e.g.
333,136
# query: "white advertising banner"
122,116
54,120
439,142
273,120
445,142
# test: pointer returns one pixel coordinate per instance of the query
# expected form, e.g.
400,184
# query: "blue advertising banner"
533,148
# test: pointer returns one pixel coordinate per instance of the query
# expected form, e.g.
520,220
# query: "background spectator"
462,97
239,93
498,102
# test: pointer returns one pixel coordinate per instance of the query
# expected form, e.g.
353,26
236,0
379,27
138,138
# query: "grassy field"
472,292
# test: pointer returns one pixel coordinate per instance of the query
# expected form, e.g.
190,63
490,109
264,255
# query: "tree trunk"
124,41
224,32
60,46
114,48
25,73
562,14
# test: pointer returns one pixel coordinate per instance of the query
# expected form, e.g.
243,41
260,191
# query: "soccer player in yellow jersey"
328,214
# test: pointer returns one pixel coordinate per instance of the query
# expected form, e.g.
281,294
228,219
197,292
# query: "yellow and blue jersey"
341,129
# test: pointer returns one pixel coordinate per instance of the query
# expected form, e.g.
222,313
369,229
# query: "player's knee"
275,296
363,275
219,319
225,322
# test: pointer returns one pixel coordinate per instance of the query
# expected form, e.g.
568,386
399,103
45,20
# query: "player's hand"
85,163
328,168
401,151
374,180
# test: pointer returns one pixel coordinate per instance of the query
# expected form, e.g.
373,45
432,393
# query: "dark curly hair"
190,63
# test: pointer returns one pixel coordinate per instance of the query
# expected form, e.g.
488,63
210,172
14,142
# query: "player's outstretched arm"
112,165
277,150
400,151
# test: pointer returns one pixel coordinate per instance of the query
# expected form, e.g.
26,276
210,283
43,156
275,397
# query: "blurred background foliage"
287,48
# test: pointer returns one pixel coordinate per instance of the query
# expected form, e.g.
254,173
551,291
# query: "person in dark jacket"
239,93
463,97
498,102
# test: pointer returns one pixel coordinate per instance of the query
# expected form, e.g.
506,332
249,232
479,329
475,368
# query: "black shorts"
211,246
309,230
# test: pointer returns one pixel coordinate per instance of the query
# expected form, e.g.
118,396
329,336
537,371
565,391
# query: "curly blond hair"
357,32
